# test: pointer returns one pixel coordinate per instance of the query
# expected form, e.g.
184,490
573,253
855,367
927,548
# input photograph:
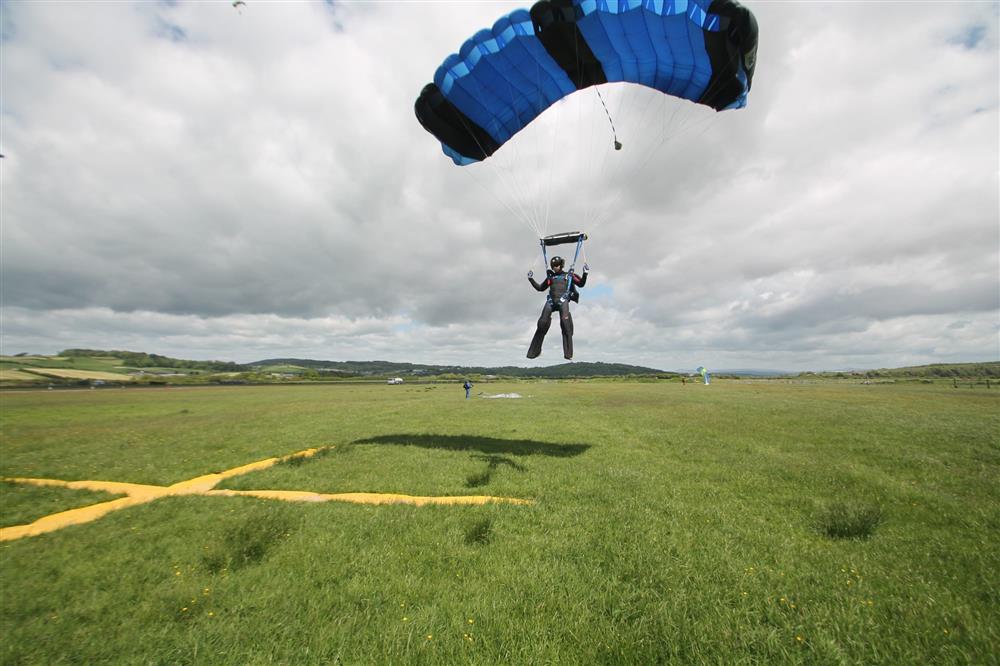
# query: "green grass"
96,363
736,523
844,521
21,504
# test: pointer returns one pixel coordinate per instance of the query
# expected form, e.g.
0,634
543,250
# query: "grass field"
96,363
737,523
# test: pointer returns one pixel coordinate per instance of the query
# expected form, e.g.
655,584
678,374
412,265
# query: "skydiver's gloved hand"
586,268
531,274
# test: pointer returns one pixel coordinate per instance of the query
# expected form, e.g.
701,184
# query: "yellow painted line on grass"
369,498
136,494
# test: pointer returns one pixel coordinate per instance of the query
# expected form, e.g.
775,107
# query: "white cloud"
183,178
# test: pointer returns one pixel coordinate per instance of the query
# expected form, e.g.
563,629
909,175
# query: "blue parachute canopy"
503,78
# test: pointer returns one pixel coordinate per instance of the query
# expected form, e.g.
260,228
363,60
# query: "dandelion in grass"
430,637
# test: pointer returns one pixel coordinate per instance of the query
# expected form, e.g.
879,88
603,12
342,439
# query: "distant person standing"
468,387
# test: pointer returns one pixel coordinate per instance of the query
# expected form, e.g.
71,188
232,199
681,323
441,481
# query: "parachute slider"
563,238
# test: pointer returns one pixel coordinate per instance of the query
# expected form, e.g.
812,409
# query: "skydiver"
562,289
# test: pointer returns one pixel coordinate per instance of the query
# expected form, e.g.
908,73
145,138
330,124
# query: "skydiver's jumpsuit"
557,284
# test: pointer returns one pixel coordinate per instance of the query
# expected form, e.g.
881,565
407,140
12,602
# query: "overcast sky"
210,182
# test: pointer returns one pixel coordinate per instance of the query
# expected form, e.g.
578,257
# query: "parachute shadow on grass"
493,462
486,445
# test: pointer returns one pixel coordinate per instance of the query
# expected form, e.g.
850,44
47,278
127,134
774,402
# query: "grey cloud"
224,172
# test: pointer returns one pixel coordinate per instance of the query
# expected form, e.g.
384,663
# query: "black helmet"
557,261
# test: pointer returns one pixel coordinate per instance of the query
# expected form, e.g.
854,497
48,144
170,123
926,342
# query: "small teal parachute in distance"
503,78
703,371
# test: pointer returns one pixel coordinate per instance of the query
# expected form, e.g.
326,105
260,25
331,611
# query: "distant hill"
82,366
985,370
381,368
941,370
144,360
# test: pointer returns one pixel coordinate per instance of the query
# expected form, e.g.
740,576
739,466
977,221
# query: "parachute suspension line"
520,218
670,129
507,178
551,156
546,160
546,202
648,112
639,118
540,204
621,99
592,143
528,202
614,135
595,204
519,215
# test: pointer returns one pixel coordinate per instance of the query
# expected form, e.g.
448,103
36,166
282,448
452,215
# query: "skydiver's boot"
566,324
544,321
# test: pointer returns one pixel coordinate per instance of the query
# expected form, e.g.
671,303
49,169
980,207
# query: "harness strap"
569,274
